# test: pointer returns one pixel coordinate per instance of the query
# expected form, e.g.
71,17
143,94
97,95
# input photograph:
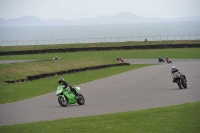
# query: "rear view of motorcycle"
179,79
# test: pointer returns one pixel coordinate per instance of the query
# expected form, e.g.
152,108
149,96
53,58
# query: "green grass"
182,118
106,44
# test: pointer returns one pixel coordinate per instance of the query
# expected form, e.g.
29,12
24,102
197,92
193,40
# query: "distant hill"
23,21
120,18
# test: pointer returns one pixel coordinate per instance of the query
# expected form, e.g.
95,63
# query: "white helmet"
173,67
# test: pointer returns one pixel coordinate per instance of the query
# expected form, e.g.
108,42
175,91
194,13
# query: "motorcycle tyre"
61,103
185,86
79,101
179,84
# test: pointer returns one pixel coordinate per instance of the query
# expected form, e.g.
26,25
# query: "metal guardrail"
101,40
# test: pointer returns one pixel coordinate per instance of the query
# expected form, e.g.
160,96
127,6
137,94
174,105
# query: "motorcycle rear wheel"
62,101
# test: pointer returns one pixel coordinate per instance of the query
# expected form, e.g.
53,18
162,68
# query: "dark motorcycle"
179,79
160,59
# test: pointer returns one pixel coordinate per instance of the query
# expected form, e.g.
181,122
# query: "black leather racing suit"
71,88
176,70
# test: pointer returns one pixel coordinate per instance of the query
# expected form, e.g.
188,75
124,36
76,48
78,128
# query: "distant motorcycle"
168,60
66,96
56,58
179,79
119,59
160,59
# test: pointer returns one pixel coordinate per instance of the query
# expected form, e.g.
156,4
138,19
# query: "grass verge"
179,118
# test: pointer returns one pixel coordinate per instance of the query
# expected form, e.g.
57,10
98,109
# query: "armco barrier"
157,46
45,75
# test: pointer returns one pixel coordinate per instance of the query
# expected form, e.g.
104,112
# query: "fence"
102,40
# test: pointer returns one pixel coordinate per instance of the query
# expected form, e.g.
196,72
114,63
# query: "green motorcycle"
66,96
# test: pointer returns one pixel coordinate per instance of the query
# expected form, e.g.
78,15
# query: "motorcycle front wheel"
184,83
62,101
179,84
80,99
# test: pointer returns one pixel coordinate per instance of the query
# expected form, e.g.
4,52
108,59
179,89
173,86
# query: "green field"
181,118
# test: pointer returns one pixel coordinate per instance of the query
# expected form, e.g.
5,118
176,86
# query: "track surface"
143,88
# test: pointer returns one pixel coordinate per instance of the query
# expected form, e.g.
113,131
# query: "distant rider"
61,81
174,69
167,58
160,59
119,59
56,58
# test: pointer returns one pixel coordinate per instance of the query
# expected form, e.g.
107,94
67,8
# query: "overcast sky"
77,9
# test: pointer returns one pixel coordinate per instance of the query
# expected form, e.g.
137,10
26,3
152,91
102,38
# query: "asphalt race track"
143,88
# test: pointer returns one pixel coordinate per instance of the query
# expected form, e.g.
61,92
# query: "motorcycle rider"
61,81
167,58
174,69
56,57
119,59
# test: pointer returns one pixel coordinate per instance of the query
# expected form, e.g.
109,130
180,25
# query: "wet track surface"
142,88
